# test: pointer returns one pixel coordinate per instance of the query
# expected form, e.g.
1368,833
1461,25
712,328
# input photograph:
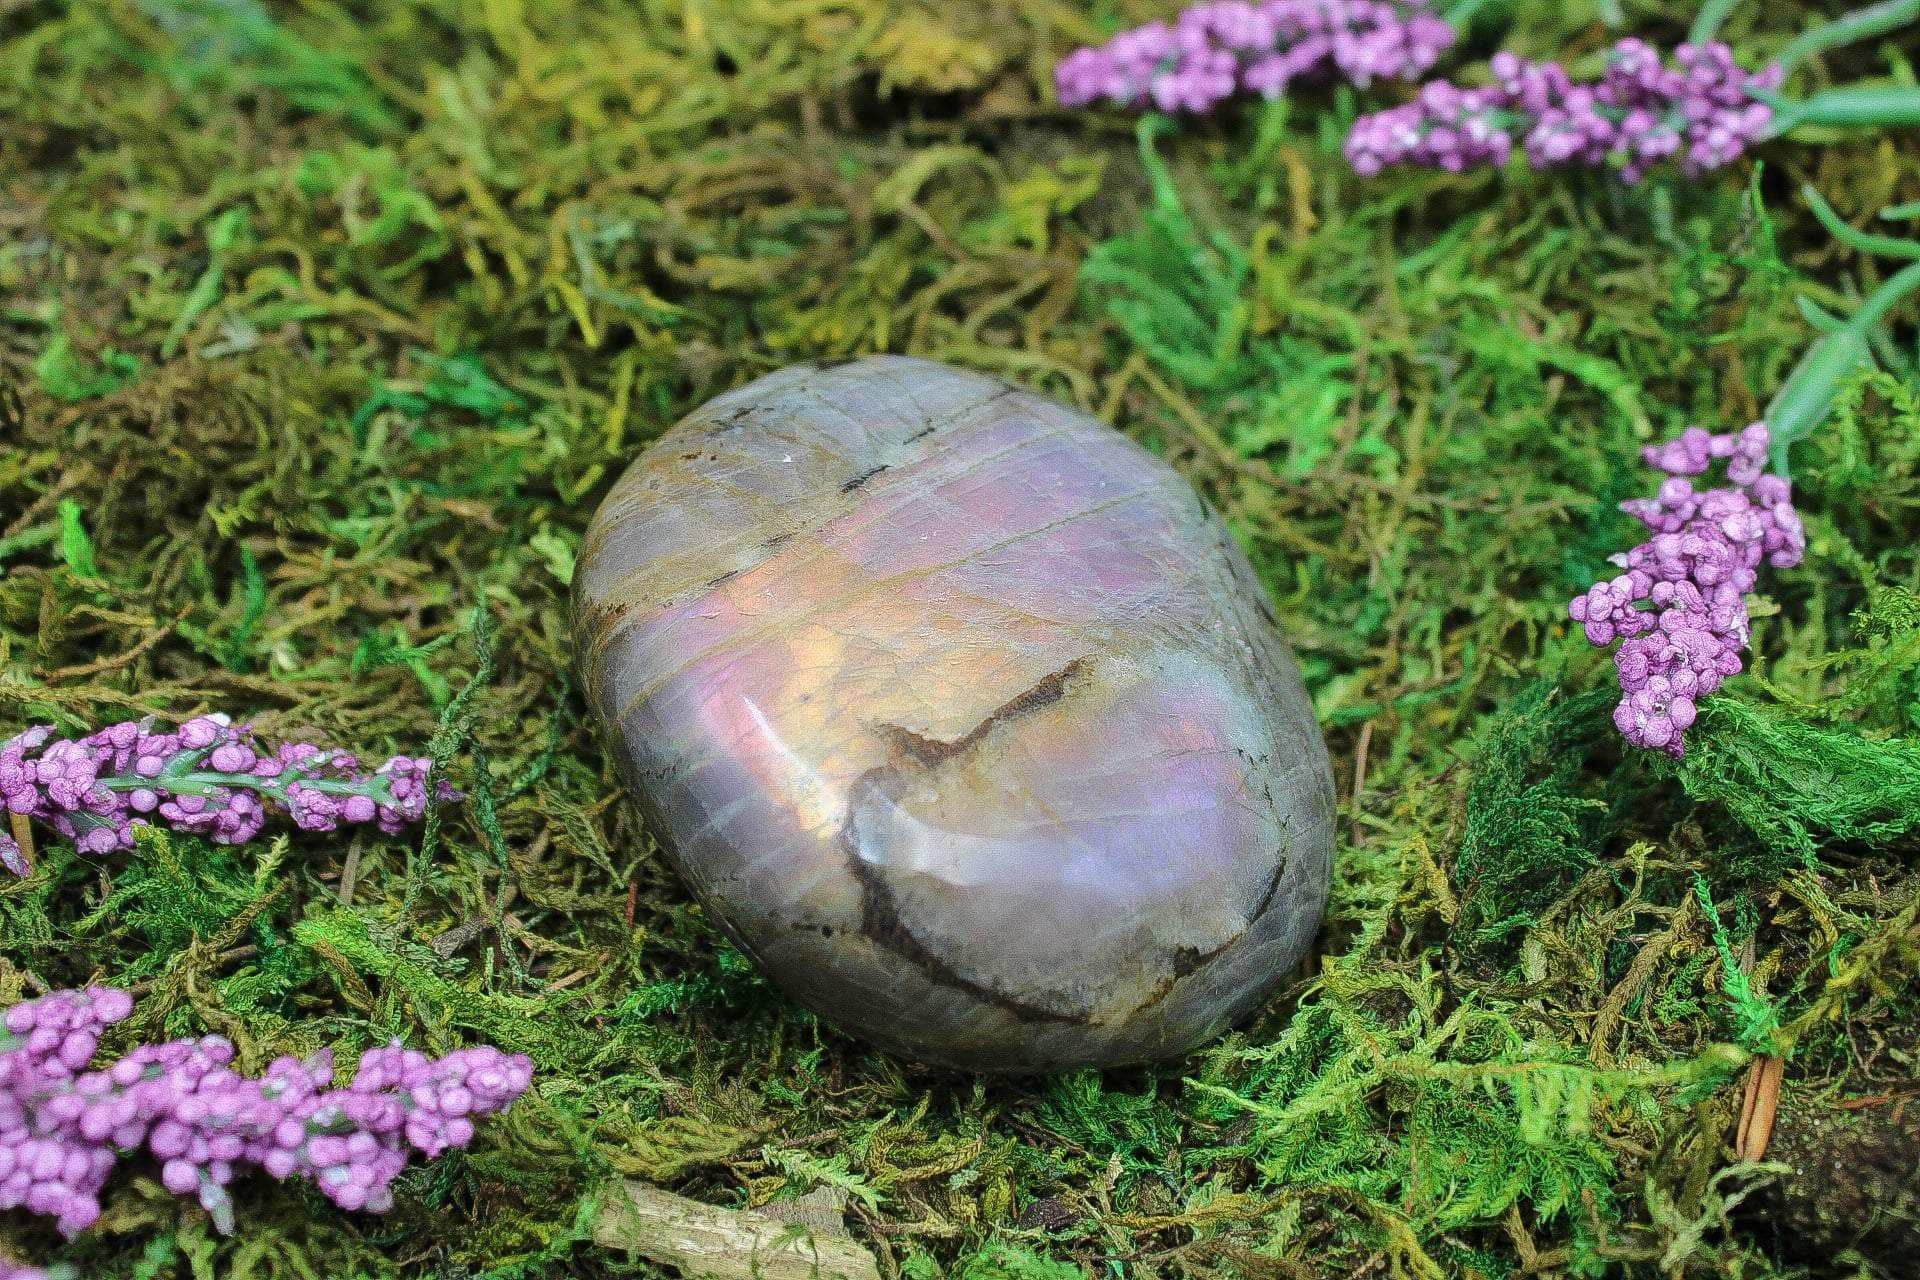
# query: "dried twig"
704,1242
22,834
1759,1107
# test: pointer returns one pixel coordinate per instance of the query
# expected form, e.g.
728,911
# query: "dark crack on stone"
1273,887
1161,990
879,912
597,619
947,420
1187,960
929,752
913,750
862,478
880,917
731,420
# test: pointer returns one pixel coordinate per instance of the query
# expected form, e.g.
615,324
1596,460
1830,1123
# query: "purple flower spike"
62,1126
1639,113
210,777
20,1271
1217,49
1679,608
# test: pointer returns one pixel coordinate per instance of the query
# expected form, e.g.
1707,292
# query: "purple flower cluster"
1692,576
62,1126
20,1271
1214,50
208,777
1640,113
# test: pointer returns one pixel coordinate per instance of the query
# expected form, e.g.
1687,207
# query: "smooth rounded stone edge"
919,677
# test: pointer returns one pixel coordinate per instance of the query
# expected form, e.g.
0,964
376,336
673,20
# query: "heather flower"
62,1126
1217,49
1679,607
20,1271
209,777
1702,110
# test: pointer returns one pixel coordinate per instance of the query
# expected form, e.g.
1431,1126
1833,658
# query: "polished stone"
963,713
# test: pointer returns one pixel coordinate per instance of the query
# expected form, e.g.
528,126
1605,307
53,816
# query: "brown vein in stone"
880,916
932,751
880,921
879,912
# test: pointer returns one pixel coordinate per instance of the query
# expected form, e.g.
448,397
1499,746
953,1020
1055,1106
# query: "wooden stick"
705,1242
22,834
1759,1107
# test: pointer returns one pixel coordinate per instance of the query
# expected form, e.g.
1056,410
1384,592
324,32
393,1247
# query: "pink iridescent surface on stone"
962,712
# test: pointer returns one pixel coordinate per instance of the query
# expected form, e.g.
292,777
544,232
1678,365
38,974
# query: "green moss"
307,394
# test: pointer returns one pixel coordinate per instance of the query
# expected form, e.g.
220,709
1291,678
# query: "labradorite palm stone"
962,713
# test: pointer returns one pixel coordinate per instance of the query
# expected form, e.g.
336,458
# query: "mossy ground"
323,326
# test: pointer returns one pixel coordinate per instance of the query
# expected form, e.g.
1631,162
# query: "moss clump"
1851,1189
1852,1185
308,391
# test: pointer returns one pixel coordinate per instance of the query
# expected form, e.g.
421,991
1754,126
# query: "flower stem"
1869,106
1806,397
22,834
1883,299
1461,12
1859,106
1802,402
1852,237
201,784
1707,23
1861,24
